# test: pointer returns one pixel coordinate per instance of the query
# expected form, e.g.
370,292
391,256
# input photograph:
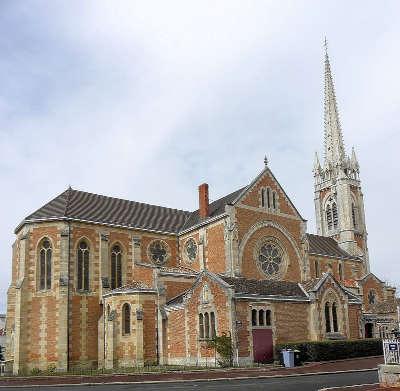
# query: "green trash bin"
297,361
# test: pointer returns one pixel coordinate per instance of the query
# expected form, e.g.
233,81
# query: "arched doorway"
369,330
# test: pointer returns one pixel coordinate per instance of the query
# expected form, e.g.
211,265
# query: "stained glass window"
158,252
191,249
270,258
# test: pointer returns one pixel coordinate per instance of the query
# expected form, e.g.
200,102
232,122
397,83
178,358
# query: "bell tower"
339,205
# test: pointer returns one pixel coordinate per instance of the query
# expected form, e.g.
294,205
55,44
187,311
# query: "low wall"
389,375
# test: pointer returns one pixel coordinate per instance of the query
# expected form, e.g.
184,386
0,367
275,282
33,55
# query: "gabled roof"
83,206
216,209
247,286
315,284
329,247
370,275
248,188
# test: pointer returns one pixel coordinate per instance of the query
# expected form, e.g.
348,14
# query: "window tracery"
158,252
45,264
83,266
116,267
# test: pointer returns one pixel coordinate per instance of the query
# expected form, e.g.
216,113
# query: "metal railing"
391,351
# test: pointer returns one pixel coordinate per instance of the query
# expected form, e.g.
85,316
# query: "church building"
106,283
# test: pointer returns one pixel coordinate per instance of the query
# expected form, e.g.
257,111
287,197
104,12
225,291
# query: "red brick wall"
252,198
370,283
291,322
176,287
176,334
244,332
354,321
149,331
215,251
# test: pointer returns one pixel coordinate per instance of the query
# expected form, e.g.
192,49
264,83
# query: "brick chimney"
203,200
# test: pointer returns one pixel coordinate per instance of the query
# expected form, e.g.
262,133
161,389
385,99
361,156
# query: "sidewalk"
236,373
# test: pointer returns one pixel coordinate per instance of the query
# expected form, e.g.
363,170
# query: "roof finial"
265,161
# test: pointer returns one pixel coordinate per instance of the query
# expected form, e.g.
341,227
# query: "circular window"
158,252
270,258
191,249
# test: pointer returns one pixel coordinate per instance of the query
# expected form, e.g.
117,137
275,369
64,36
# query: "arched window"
263,198
327,318
331,213
126,319
201,325
268,198
316,266
268,318
334,318
329,217
371,297
83,266
116,267
212,331
340,271
334,215
261,318
353,215
206,325
254,317
273,200
45,254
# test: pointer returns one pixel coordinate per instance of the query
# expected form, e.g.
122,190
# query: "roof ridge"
136,202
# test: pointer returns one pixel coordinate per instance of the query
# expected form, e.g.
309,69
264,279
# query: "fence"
391,351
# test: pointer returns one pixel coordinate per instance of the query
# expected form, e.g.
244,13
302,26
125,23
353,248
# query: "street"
297,383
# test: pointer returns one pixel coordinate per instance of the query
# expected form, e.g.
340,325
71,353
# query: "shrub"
334,350
223,346
35,371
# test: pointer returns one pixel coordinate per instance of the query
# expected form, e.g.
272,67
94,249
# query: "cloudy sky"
146,100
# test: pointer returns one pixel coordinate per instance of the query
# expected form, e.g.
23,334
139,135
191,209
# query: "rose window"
158,252
191,249
270,259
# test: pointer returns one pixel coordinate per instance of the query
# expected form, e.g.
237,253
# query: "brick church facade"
104,282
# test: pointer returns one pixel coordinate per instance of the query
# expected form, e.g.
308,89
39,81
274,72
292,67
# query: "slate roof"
177,300
248,286
133,285
310,284
385,307
80,205
178,270
216,208
322,245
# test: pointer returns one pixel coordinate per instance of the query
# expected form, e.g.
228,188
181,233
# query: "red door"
262,345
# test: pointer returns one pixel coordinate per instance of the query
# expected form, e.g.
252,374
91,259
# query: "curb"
194,380
354,386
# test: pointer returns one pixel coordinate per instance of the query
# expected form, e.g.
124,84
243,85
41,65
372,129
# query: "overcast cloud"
146,100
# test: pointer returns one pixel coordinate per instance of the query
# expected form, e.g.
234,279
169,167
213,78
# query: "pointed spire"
354,161
317,165
334,146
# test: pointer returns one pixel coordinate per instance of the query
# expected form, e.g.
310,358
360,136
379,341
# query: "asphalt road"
297,383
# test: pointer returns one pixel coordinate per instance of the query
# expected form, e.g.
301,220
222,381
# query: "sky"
146,100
